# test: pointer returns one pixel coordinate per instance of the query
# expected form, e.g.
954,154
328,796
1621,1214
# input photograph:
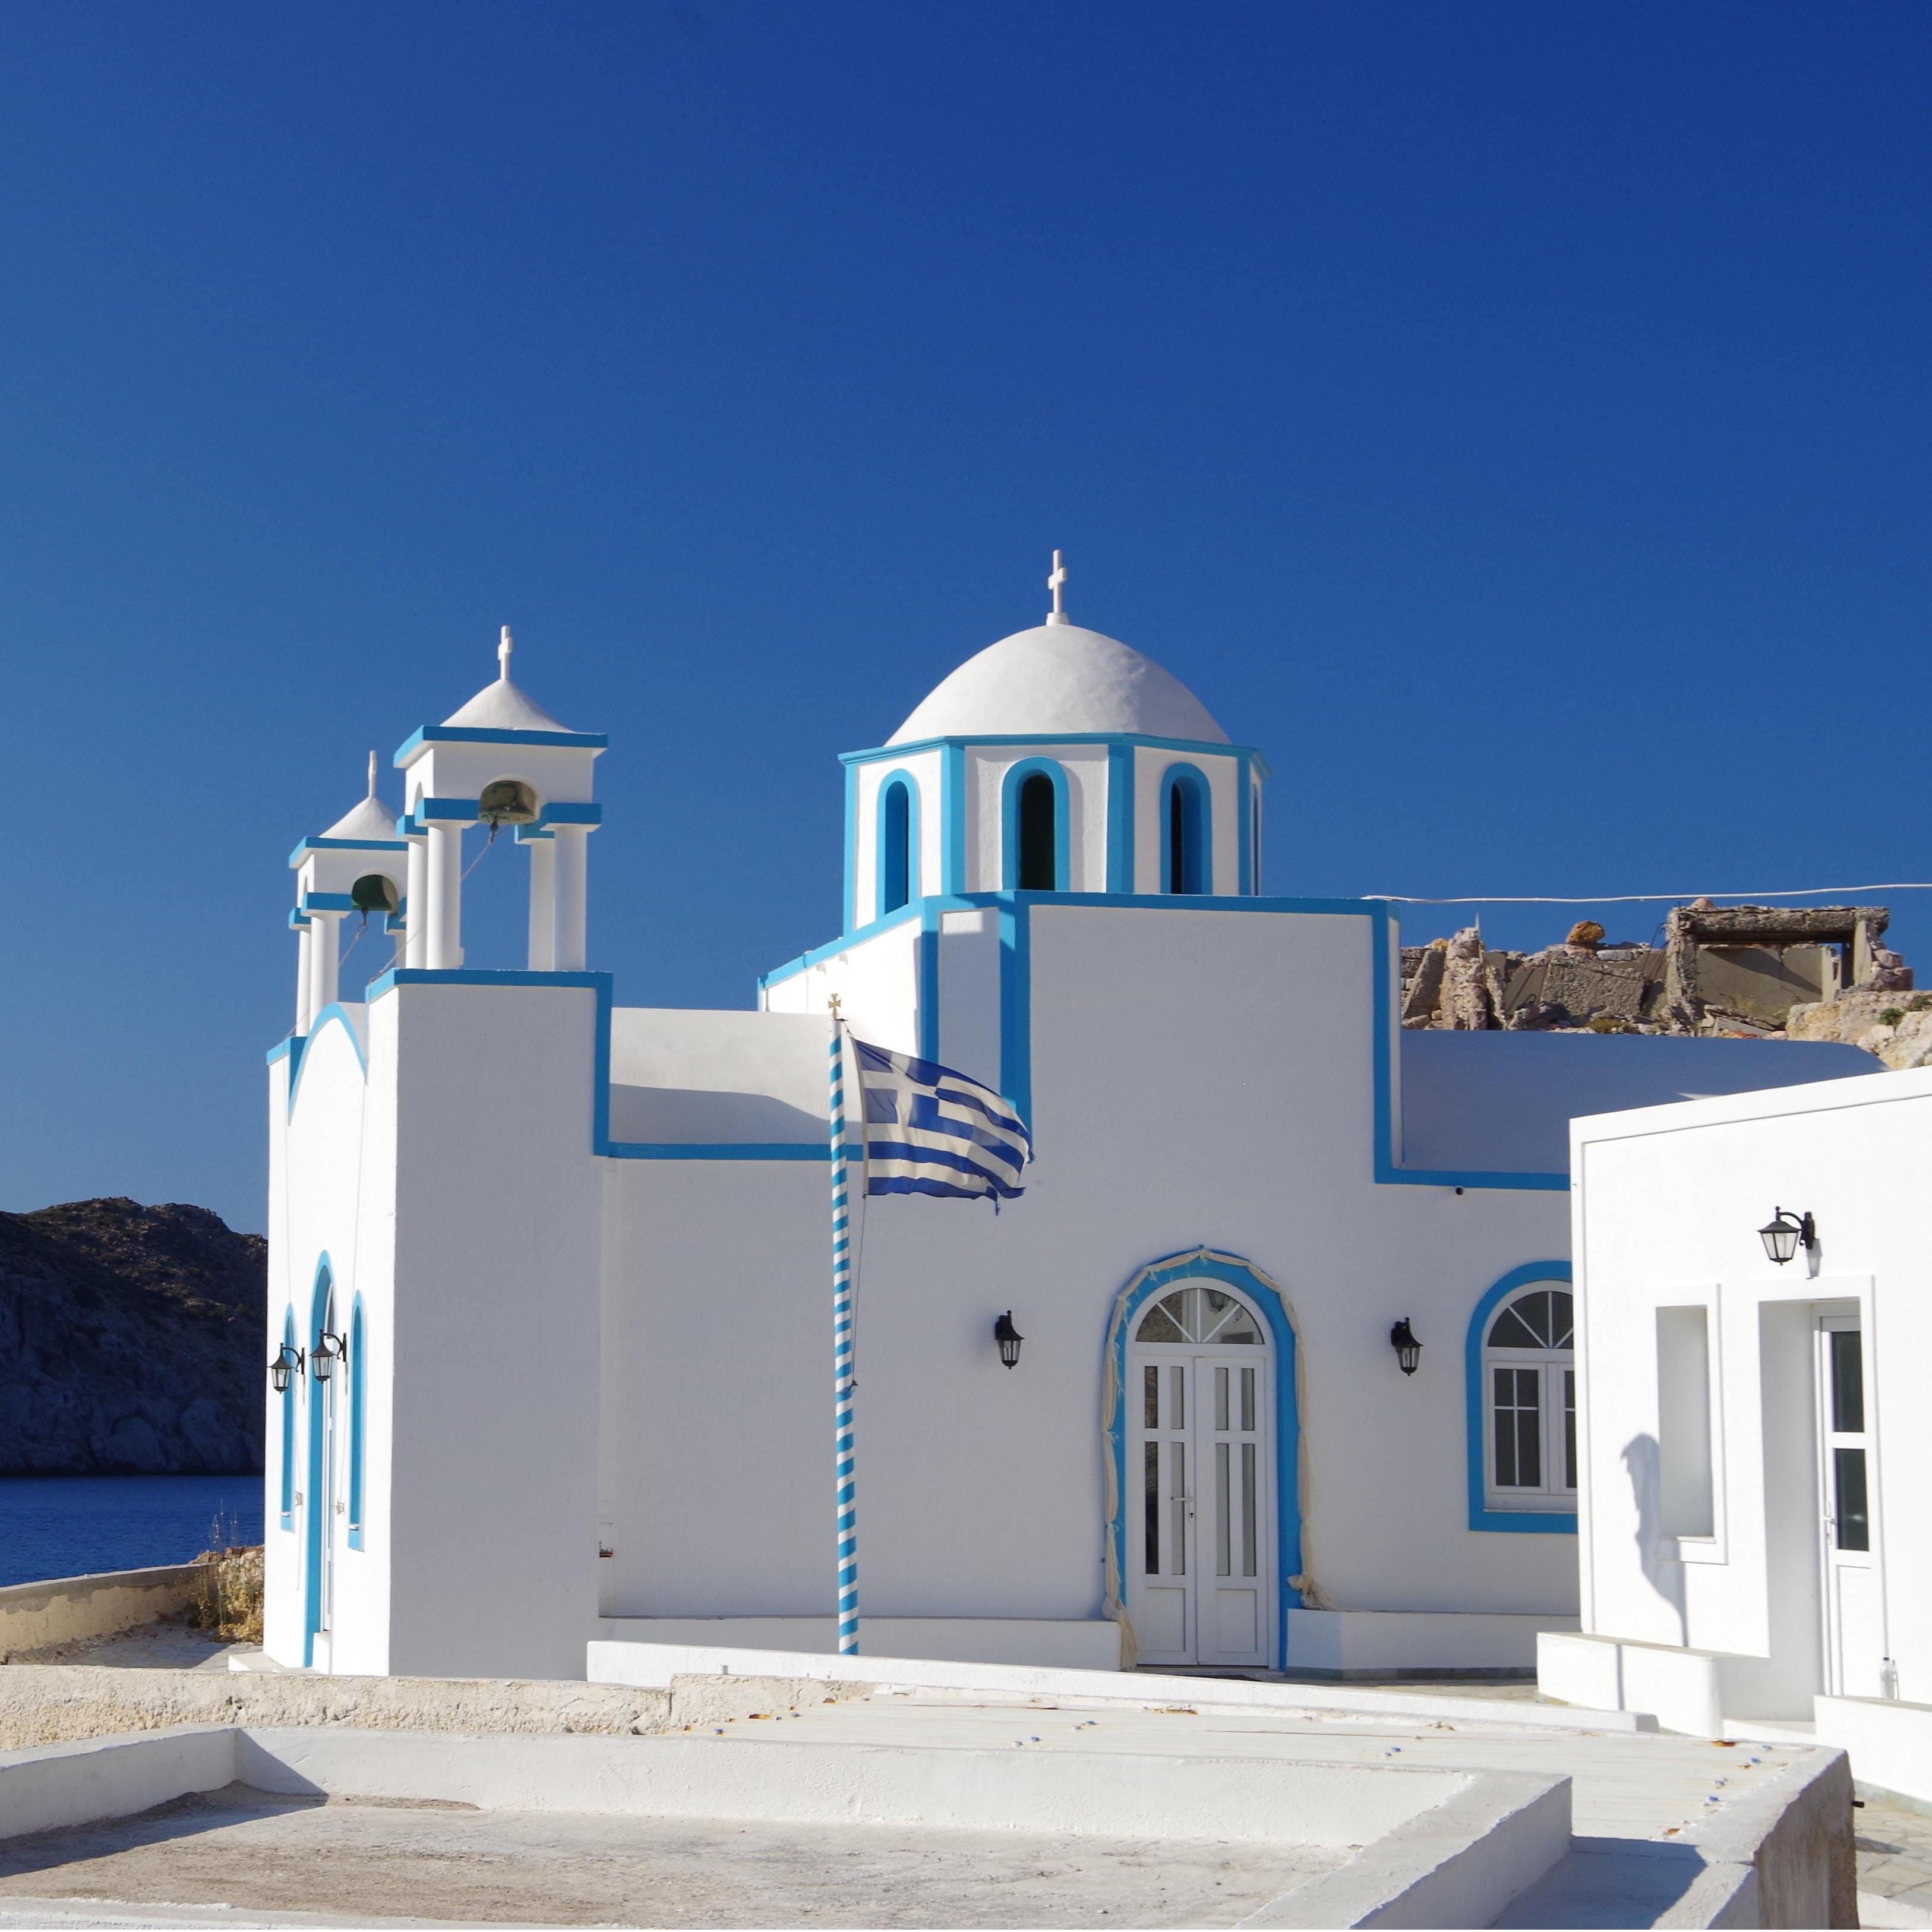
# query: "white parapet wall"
1435,1847
1384,1643
66,1609
1705,1693
1075,1643
658,1665
1890,1743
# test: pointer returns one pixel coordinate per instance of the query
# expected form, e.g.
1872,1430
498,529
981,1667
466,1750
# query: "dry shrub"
228,1598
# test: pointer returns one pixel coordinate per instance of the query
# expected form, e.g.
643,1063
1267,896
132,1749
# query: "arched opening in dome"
1185,866
1038,808
898,845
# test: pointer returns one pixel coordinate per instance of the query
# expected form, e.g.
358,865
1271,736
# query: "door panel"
1854,1634
1201,1509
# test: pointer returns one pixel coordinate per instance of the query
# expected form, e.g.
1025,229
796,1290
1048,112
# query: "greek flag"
929,1130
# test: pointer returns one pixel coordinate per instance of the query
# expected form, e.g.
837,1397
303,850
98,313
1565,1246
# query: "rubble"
1748,971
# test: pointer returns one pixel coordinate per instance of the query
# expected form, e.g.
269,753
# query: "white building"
573,1259
1756,1439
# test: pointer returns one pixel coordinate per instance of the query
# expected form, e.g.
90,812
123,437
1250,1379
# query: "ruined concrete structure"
1808,972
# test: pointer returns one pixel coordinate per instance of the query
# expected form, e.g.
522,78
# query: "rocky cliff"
132,1342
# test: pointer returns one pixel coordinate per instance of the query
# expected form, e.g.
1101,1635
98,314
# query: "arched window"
1185,846
898,857
1039,834
1529,1400
358,1405
1199,1314
288,1486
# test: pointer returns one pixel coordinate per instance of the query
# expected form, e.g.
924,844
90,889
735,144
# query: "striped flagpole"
842,1380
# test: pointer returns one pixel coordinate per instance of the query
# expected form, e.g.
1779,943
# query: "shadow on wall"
1643,1463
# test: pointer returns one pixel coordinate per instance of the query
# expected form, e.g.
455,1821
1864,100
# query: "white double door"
1201,1556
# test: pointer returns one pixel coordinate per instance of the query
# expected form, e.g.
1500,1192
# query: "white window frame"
1551,1365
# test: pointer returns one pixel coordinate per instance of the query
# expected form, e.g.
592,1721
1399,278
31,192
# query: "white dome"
505,706
370,820
1054,680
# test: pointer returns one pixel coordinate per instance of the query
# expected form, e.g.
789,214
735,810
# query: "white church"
1295,1387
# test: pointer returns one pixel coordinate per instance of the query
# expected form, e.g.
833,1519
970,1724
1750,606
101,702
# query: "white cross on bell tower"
1055,582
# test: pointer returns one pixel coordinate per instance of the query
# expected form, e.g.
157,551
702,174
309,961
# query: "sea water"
73,1525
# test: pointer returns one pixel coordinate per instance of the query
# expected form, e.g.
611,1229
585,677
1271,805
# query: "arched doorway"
1205,1447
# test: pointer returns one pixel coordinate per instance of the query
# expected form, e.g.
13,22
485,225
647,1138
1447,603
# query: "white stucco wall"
1668,1207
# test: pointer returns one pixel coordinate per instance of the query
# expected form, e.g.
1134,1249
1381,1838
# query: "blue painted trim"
287,1398
953,818
283,1049
902,781
1247,1281
1389,1170
1519,1523
1016,1005
313,1527
571,814
299,921
299,1045
1244,826
327,902
1016,775
359,1420
1197,836
524,834
466,975
1206,747
460,810
347,845
1119,818
465,734
849,902
928,944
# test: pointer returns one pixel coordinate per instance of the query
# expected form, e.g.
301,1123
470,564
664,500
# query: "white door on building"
1854,1608
1200,1500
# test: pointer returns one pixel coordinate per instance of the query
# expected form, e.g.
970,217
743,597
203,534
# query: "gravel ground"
347,1862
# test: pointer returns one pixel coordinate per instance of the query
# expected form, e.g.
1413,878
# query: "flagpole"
843,1383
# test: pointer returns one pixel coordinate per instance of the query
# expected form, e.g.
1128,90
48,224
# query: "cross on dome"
1055,582
503,650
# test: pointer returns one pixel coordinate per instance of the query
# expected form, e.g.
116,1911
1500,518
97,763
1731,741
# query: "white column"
572,897
416,929
543,905
324,951
445,895
303,972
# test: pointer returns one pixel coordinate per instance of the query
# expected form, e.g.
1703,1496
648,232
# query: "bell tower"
358,866
502,760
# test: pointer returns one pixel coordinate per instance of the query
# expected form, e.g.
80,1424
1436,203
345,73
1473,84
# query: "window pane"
1563,1319
1848,1386
1158,1324
1223,1521
1569,1428
1220,1398
1150,1477
1247,1507
1511,1331
1848,1468
1178,1492
1177,1414
1505,1409
1037,834
1519,1428
1529,1448
1248,1399
1150,1396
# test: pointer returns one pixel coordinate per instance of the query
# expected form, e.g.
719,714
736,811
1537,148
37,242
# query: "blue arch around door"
1147,1283
313,1527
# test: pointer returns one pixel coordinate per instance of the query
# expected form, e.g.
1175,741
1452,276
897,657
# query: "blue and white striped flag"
929,1130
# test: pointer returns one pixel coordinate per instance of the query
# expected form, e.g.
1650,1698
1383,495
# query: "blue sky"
1513,419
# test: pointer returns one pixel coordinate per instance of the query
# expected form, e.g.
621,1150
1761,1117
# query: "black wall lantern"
329,1349
1784,1233
1408,1349
287,1365
1008,1338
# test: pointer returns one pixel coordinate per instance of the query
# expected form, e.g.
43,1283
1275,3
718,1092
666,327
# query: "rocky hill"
132,1342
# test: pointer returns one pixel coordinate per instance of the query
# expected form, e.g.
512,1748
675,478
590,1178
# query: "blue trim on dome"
1213,748
347,845
1119,818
